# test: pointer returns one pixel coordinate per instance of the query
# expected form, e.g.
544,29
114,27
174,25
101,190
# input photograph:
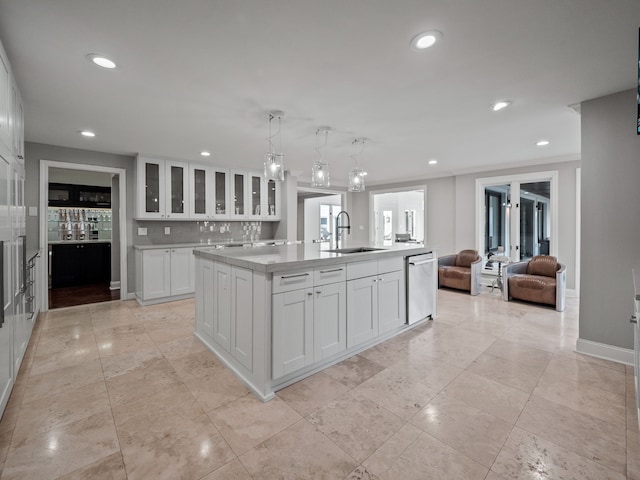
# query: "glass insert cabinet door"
221,192
272,206
256,189
152,187
176,179
237,185
199,187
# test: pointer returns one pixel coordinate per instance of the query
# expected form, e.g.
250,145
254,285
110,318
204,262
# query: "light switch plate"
33,211
167,230
142,231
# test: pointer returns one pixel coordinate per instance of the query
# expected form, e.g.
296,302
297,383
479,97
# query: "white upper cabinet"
271,200
238,195
200,192
177,177
220,182
175,190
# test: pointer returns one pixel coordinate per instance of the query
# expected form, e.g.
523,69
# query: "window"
398,216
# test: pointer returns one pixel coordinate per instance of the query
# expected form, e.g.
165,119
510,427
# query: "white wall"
79,177
312,215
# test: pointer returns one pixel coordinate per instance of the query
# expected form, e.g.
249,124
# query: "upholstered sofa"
542,280
461,271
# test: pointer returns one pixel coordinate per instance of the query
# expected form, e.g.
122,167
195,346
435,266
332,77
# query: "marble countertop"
210,244
285,258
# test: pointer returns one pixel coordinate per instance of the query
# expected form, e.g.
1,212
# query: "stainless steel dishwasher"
422,275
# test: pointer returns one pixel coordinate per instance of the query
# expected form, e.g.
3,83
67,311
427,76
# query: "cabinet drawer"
329,274
285,282
390,264
362,269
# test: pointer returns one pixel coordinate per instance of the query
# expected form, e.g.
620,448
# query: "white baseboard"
130,296
604,351
114,285
571,293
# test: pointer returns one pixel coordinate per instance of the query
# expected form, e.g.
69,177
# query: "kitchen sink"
355,250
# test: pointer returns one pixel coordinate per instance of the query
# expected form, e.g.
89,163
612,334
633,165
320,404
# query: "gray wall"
610,220
451,210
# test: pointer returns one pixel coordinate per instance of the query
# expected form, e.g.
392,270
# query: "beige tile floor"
489,390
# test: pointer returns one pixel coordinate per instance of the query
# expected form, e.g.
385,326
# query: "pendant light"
274,162
357,174
320,169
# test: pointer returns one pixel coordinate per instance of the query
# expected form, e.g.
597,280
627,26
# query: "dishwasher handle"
422,262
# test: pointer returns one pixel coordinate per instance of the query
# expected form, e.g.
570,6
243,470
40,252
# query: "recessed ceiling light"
496,107
205,153
542,143
433,161
87,133
101,61
425,40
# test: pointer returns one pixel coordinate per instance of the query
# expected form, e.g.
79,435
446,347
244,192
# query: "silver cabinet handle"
331,271
295,276
633,319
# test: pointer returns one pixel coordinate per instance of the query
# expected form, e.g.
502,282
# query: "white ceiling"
202,74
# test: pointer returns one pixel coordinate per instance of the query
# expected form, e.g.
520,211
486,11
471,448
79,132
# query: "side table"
500,259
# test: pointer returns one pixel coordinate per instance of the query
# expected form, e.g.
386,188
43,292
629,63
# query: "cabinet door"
6,323
177,188
5,79
329,320
204,298
271,200
156,273
200,201
255,185
391,301
292,331
242,316
238,195
220,182
362,310
222,305
151,187
182,275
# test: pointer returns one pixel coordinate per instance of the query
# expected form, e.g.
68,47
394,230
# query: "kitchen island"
277,314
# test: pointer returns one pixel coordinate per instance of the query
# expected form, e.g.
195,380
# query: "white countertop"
208,244
300,256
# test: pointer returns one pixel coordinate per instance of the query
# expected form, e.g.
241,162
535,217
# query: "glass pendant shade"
274,167
274,162
356,180
320,175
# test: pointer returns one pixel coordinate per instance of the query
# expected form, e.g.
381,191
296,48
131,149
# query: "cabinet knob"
309,293
634,319
381,279
318,292
374,280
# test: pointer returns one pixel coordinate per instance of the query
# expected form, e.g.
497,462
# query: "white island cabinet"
277,314
164,274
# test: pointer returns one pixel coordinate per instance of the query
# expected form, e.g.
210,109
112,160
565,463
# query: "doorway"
398,216
317,210
516,216
83,234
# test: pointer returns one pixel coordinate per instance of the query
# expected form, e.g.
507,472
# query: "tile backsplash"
194,232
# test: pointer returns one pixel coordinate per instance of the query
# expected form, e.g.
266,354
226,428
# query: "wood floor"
81,295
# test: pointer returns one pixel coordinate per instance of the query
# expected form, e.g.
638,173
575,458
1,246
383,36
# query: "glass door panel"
238,194
177,189
496,221
534,219
199,191
256,188
221,193
272,207
152,187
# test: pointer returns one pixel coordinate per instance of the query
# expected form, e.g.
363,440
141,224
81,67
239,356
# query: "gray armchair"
542,280
461,271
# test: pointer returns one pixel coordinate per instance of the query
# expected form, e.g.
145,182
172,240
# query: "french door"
516,216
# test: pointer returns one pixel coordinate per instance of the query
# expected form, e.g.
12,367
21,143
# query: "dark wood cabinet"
80,264
67,195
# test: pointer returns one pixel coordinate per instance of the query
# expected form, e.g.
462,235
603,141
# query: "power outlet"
142,231
167,230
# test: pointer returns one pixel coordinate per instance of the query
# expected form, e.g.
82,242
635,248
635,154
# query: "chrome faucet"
341,227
